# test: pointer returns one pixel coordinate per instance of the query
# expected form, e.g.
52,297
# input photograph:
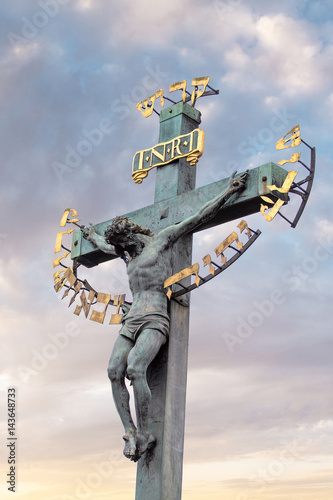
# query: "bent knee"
116,373
135,372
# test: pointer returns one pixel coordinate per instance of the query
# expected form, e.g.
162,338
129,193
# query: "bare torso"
146,274
149,264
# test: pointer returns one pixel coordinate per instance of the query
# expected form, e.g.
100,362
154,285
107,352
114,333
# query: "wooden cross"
175,199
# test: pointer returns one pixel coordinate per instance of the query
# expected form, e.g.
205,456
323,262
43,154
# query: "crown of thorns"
122,225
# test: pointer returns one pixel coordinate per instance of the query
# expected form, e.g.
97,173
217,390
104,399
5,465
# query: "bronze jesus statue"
145,325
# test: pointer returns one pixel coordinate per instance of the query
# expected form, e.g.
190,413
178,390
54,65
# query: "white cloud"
291,53
83,5
66,79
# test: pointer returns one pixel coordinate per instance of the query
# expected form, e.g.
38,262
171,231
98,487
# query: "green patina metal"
159,476
176,208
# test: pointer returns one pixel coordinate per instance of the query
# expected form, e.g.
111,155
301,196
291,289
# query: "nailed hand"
238,183
89,232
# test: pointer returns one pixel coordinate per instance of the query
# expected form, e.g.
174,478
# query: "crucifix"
155,242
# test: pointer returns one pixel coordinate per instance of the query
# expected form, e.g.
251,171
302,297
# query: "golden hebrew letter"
283,189
158,94
77,288
225,244
179,86
287,183
196,92
194,269
68,276
148,109
57,279
56,262
243,225
102,298
59,239
119,300
294,158
65,219
295,138
208,262
270,216
84,303
72,280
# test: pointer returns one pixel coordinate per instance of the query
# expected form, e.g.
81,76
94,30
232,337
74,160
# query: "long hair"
123,226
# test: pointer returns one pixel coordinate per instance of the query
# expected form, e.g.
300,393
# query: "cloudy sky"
259,404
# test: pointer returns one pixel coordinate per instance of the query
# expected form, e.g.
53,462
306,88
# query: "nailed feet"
144,443
136,444
130,445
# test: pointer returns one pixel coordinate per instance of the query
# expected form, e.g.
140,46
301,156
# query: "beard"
131,248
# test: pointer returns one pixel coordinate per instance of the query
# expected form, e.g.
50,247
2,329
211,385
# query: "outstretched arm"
97,240
206,212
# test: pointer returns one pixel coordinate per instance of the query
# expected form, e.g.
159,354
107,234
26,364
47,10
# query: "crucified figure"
145,325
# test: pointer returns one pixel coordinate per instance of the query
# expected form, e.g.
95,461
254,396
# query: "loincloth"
133,325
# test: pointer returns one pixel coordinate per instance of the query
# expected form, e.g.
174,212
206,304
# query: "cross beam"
159,476
173,210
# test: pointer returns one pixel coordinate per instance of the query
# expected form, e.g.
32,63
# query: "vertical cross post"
160,478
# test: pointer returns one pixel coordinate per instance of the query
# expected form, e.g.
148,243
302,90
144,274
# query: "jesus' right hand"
89,233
